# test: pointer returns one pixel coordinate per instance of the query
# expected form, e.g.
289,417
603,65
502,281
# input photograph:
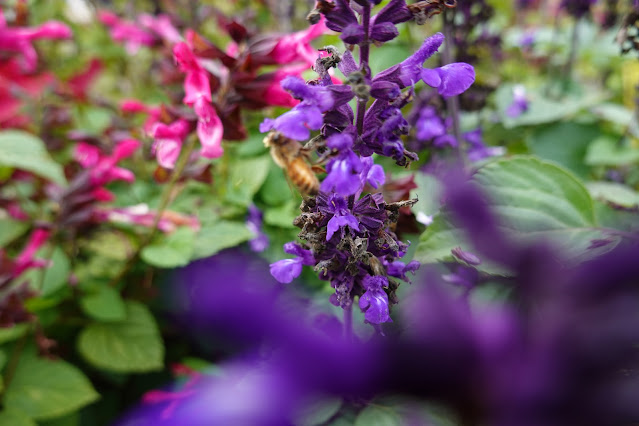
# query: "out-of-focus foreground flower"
560,351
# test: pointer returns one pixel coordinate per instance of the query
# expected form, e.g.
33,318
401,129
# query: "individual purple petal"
398,269
384,31
338,222
465,256
374,302
347,64
411,67
352,34
386,90
373,174
451,79
340,141
286,270
394,12
305,255
340,16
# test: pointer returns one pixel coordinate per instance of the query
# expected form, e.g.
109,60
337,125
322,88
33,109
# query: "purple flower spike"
374,302
451,79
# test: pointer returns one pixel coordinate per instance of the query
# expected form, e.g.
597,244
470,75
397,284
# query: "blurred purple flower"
519,104
254,223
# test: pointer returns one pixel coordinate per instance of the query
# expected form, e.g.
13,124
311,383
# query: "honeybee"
293,158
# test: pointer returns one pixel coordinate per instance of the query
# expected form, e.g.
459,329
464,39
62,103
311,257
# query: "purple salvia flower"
307,115
343,170
286,270
341,217
341,18
254,224
374,302
429,125
519,104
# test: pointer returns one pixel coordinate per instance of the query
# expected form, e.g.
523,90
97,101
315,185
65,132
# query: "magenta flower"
296,47
26,259
103,168
19,39
141,215
168,141
162,26
197,94
132,35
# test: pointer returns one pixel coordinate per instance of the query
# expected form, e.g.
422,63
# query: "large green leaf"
245,179
376,415
130,346
564,143
218,236
105,304
318,411
531,199
10,230
609,150
24,151
44,389
170,251
15,418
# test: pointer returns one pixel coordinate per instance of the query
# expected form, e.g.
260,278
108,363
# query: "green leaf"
531,200
105,304
276,190
282,216
56,276
246,177
92,119
11,333
378,416
130,346
45,389
15,418
609,151
564,143
616,193
172,250
219,236
318,411
24,151
10,230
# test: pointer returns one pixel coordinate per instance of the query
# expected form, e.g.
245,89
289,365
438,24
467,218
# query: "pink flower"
135,106
26,259
103,168
296,46
19,39
127,32
197,94
143,216
168,141
79,83
162,26
277,96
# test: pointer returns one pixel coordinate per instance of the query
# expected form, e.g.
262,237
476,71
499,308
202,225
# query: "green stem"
452,103
164,202
12,365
